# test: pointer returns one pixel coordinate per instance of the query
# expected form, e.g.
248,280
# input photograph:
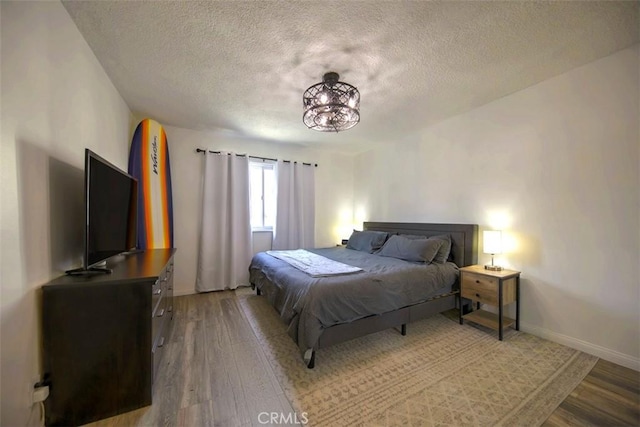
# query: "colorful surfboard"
149,163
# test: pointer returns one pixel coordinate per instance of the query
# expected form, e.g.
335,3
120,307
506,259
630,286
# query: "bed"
387,293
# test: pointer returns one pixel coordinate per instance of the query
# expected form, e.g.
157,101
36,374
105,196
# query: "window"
262,180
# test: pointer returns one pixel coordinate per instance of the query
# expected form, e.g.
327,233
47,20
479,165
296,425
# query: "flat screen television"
111,203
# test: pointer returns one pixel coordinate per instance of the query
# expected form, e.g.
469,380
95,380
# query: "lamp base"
493,267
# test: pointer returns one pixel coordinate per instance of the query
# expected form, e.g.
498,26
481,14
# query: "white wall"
557,167
334,191
56,100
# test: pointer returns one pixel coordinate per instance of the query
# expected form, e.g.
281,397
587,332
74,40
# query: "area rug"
440,373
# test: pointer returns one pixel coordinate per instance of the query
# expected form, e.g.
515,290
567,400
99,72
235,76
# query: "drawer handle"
477,281
478,295
161,343
157,292
161,313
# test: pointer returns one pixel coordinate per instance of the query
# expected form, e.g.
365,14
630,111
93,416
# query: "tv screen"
111,197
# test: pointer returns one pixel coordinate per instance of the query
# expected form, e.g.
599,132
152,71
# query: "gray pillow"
411,249
367,241
445,249
444,252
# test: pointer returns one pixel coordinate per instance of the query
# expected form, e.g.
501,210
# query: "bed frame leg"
312,360
258,291
403,329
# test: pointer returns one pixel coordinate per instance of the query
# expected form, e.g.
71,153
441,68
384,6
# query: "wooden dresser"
103,337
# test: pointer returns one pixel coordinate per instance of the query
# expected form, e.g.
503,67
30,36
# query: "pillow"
367,241
411,249
445,249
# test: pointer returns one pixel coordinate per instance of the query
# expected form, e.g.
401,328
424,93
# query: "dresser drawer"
157,319
156,293
161,285
169,288
161,317
158,345
480,288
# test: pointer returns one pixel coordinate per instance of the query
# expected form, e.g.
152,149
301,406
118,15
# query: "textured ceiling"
241,67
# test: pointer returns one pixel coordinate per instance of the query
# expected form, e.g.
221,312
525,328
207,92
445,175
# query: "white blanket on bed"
313,264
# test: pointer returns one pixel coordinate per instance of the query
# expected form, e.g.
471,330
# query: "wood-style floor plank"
200,414
235,322
229,400
194,366
608,396
214,372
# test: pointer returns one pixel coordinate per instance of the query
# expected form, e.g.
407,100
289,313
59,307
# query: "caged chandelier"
331,106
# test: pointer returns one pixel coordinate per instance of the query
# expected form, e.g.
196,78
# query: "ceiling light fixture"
331,106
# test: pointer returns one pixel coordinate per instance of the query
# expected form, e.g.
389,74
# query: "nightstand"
495,288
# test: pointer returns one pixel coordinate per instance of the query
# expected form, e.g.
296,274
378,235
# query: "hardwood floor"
214,373
608,396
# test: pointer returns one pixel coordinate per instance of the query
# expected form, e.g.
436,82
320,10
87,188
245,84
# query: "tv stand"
88,271
103,337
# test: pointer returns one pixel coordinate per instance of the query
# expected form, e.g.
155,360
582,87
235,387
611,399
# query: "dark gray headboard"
464,237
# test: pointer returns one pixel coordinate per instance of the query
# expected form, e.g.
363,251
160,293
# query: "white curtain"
295,217
225,241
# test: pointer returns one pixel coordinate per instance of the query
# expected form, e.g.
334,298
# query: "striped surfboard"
149,163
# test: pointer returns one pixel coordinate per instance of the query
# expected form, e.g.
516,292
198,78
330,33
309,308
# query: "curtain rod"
200,150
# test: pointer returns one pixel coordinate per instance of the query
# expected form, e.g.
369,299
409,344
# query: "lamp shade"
492,241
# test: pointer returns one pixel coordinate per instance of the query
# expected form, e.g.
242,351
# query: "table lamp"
492,244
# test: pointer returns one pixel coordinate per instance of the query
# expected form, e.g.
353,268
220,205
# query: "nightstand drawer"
478,280
480,288
480,294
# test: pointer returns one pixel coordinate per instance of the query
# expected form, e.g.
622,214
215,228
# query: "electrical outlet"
38,389
28,389
40,393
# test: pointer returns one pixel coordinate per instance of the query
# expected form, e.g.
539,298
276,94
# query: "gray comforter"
308,304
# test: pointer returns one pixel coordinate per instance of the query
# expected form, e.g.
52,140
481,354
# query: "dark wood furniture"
495,288
463,252
103,337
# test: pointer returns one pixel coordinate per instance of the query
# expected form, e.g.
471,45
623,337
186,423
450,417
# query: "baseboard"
183,292
587,347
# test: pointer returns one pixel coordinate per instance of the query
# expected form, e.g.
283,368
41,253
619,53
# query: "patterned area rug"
440,373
